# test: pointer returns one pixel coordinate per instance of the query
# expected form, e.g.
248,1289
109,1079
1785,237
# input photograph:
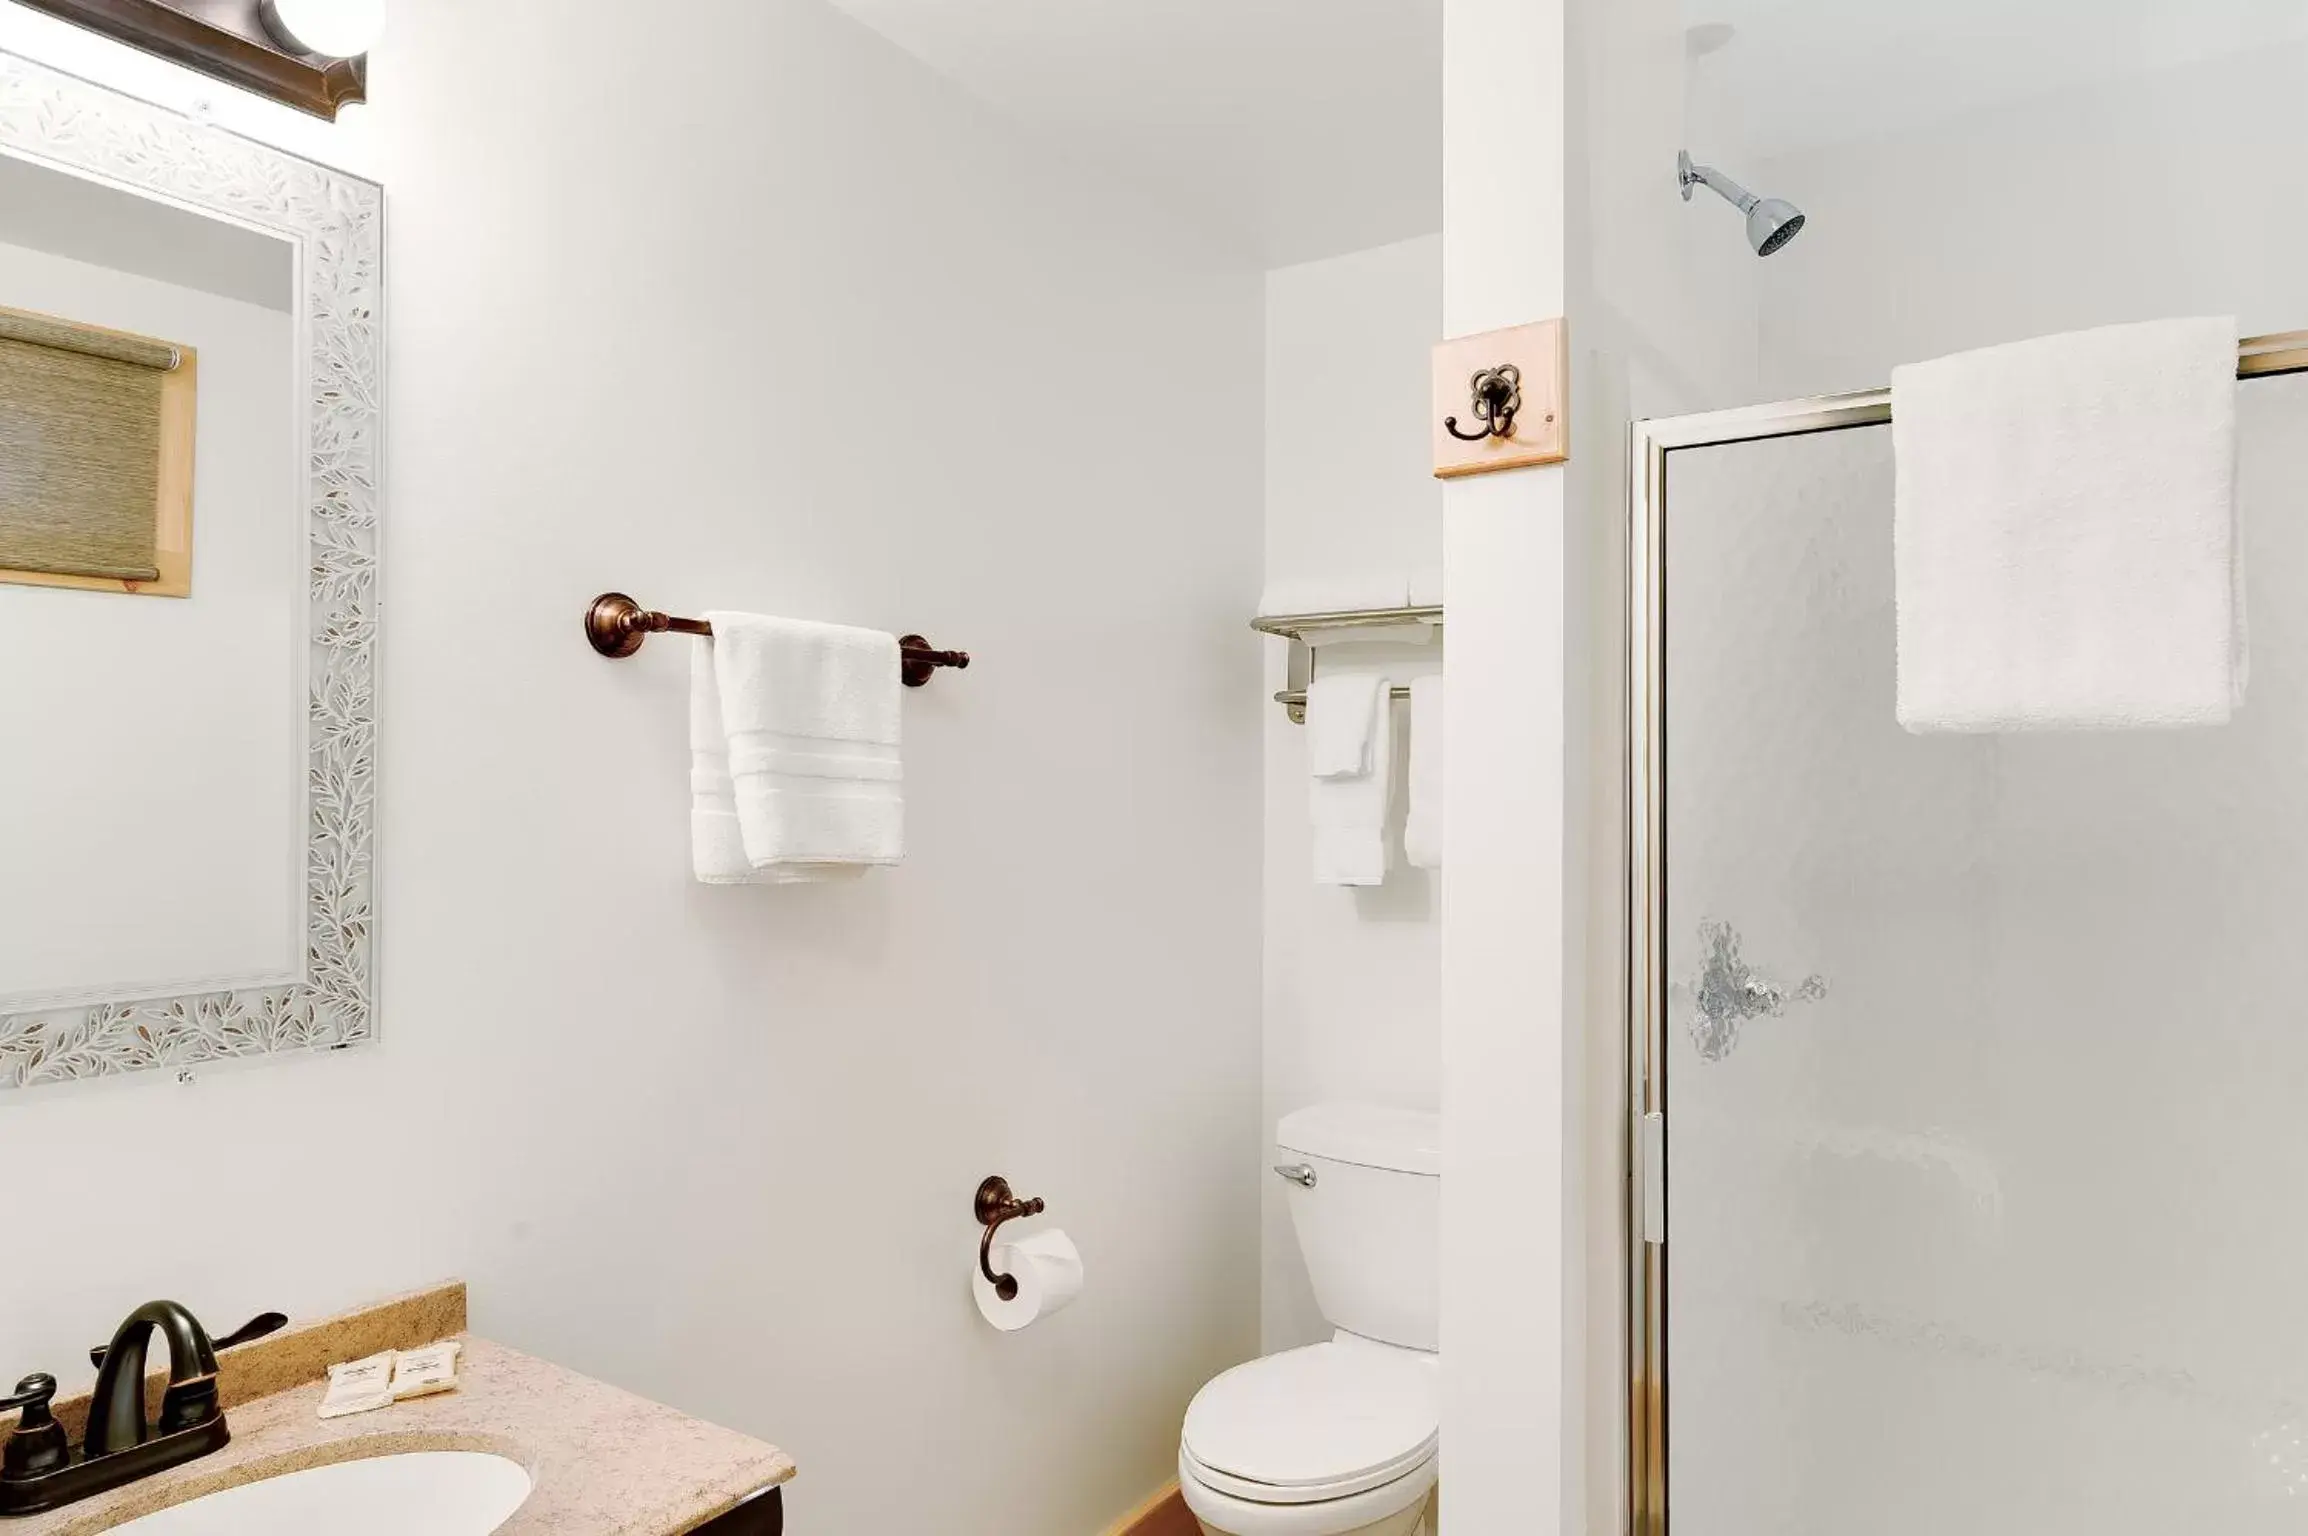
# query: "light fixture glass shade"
337,29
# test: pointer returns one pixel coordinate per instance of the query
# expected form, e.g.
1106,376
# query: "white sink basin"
416,1493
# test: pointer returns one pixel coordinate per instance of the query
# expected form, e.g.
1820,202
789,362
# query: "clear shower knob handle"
1729,993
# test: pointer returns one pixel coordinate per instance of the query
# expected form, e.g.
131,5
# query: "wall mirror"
190,415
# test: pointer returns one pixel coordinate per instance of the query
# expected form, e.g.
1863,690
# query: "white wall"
2165,194
718,1145
1353,983
161,735
1512,1333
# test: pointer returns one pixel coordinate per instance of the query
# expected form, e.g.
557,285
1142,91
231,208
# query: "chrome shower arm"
1691,175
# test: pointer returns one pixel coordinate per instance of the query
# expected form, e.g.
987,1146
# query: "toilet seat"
1392,1507
1329,1421
1303,1493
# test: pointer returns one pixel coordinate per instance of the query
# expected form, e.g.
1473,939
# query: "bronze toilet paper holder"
994,1205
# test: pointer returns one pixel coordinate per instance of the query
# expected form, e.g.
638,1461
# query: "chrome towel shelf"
1294,700
1296,627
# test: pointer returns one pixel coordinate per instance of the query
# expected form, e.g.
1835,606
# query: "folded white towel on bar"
716,846
794,731
1342,710
1422,828
1349,811
2065,532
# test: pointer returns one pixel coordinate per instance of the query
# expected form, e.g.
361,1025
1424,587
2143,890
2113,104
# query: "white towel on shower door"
794,772
2065,532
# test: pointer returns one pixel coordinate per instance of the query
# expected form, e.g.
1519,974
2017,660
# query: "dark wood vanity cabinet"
763,1516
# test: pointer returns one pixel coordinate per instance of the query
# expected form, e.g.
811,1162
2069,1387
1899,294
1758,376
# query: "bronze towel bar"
615,625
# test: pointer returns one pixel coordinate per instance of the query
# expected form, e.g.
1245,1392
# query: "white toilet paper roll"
1048,1268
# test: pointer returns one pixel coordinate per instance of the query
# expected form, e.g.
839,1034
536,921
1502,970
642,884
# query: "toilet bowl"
1337,1439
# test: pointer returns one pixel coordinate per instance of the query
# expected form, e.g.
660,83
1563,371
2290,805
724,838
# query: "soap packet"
381,1380
358,1386
422,1372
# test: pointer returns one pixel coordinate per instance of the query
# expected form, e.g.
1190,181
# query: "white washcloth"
1349,812
2065,532
1342,711
1422,828
794,740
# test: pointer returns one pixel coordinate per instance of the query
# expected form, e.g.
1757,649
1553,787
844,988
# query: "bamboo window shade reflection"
82,460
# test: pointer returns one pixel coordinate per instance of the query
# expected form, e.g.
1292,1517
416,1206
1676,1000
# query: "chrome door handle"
1728,993
1297,1173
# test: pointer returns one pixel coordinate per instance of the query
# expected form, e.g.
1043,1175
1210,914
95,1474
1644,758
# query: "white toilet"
1337,1439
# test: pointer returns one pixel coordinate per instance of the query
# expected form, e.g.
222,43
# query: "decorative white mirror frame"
335,223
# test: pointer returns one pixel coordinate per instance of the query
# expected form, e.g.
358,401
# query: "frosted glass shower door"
1986,1057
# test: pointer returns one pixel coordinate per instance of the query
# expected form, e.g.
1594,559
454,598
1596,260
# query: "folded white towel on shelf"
2065,532
1342,710
1349,811
794,732
1422,828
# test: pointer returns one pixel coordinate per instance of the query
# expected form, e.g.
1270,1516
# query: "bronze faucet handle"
39,1443
32,1395
255,1328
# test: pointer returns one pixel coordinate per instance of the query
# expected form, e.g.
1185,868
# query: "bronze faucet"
37,1468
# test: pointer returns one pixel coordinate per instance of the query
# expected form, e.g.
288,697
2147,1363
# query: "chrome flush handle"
1300,1174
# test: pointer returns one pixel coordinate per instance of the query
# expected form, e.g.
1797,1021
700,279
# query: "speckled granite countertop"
604,1462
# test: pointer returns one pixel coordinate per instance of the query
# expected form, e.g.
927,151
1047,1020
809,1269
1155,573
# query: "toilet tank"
1370,1224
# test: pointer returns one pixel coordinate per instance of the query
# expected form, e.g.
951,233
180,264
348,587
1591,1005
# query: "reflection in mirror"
164,858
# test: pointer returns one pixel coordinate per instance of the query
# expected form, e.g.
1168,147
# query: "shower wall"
2170,193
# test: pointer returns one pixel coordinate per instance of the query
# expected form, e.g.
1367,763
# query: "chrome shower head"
1771,221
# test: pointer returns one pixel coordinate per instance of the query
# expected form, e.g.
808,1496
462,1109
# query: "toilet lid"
1316,1418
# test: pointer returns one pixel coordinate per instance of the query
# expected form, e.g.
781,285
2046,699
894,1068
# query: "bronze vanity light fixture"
994,1205
241,42
615,625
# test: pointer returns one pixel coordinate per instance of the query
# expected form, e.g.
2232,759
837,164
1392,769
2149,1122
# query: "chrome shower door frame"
1651,443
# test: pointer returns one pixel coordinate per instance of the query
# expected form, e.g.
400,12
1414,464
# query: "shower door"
1977,1197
